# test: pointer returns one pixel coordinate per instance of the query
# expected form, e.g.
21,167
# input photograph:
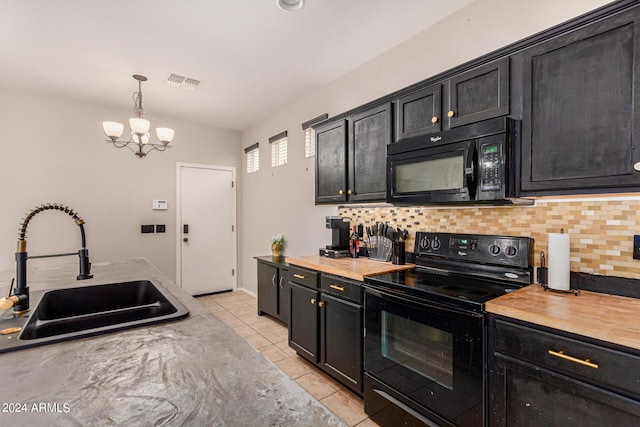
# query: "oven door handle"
417,301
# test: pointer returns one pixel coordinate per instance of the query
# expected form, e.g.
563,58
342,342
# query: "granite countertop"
608,318
352,268
196,371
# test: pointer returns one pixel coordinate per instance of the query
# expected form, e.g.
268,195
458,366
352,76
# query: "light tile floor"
269,336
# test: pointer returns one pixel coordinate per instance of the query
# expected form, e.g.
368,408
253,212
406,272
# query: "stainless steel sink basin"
65,314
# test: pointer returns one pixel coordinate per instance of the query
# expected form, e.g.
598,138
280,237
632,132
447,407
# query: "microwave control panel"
492,161
492,165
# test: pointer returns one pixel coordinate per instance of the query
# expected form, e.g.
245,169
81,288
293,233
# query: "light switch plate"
160,205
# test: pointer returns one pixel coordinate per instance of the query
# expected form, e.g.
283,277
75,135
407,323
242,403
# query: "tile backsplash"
601,230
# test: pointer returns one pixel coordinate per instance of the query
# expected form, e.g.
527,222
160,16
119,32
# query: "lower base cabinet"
325,325
542,377
273,291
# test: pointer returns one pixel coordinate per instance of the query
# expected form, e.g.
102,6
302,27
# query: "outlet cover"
147,229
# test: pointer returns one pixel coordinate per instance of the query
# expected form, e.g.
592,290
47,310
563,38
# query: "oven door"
445,173
430,355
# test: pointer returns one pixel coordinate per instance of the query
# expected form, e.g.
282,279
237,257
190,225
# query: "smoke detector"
176,80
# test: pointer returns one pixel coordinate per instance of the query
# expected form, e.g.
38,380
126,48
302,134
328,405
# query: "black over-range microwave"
472,163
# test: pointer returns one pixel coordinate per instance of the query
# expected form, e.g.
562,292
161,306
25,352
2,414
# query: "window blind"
253,158
278,149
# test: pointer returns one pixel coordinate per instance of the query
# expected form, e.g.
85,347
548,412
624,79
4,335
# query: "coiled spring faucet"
20,298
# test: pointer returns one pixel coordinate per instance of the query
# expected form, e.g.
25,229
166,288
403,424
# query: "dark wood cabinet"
273,292
479,94
351,157
369,135
547,377
303,321
580,110
341,330
331,162
326,326
419,113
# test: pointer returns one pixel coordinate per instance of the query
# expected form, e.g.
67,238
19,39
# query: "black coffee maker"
340,230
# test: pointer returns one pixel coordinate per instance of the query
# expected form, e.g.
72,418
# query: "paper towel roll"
559,263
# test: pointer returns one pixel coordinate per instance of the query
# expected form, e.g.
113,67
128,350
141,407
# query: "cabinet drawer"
342,288
304,277
592,363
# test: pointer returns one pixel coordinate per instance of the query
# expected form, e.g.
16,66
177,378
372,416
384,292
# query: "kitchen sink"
70,313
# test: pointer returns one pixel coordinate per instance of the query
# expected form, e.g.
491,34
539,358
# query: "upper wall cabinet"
331,162
479,94
580,110
369,134
419,113
475,95
351,157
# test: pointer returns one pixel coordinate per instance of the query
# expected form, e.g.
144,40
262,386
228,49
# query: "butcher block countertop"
352,268
604,317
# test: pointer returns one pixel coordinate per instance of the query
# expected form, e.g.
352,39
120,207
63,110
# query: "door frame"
180,165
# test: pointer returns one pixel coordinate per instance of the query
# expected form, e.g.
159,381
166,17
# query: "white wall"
53,151
281,200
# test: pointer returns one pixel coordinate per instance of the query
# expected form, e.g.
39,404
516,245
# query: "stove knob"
494,249
424,243
435,245
510,251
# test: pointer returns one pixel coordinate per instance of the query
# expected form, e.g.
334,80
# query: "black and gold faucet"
20,298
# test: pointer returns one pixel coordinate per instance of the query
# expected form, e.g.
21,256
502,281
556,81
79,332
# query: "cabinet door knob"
350,192
434,119
341,192
313,300
273,280
451,113
636,166
321,304
281,286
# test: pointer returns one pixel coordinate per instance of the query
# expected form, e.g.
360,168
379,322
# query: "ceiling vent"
176,80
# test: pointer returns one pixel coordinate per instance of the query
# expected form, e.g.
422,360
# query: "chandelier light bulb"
165,135
139,126
113,129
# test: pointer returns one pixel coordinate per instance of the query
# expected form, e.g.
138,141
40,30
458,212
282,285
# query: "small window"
278,149
253,158
310,135
309,142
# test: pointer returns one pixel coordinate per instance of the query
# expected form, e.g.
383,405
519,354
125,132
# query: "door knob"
185,240
451,113
434,119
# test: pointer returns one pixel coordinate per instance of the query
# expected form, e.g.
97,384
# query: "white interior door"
206,228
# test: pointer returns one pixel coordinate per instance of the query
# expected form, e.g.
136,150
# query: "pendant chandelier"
139,141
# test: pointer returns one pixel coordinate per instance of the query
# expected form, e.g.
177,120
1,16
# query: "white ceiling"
252,57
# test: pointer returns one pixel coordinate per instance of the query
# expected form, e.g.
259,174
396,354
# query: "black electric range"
425,330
